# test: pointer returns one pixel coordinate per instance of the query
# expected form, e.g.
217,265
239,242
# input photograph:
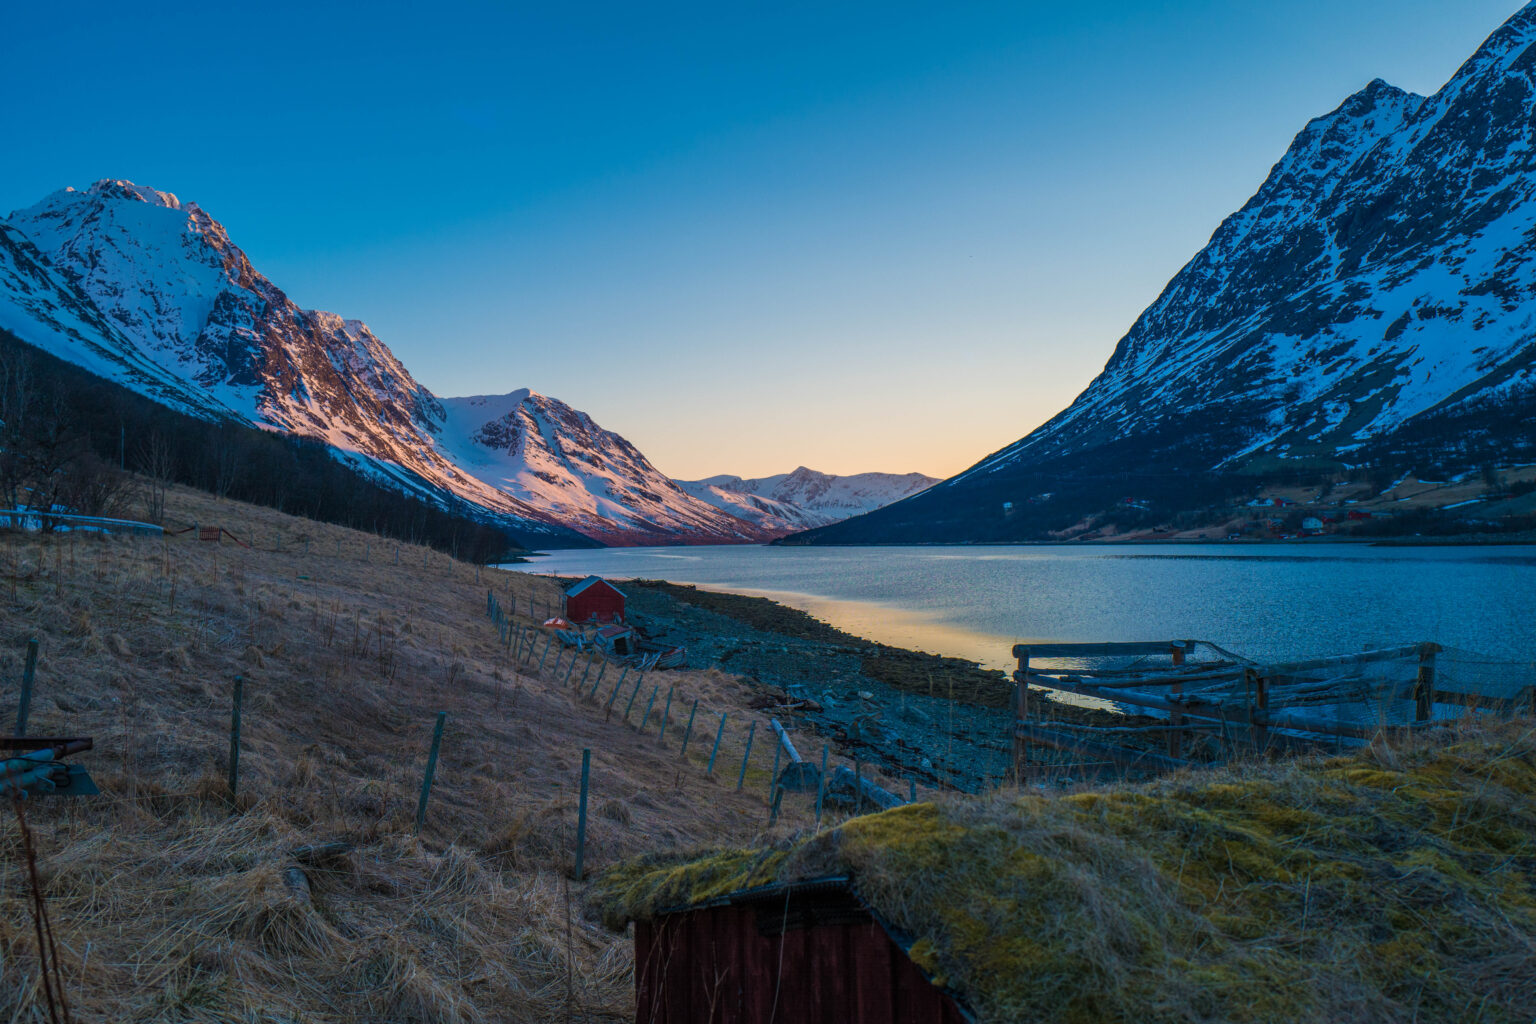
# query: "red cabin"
594,599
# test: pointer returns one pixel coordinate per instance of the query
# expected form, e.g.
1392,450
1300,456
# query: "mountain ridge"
1378,286
140,287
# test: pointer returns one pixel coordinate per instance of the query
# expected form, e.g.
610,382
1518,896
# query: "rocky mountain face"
805,499
1374,303
138,287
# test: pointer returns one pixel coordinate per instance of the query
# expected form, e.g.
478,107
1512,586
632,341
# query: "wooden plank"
874,987
1106,650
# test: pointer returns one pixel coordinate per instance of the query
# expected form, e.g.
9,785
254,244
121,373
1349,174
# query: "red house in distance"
594,599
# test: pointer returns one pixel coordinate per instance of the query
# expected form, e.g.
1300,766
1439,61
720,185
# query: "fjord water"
1266,602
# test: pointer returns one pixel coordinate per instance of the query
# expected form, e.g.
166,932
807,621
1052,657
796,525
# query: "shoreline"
941,720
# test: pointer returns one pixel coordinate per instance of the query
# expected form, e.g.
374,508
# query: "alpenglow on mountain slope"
1374,303
805,498
140,288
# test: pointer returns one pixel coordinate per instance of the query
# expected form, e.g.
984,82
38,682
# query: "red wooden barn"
594,599
806,952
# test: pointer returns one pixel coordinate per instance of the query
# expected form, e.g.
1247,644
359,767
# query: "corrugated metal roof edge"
827,883
577,588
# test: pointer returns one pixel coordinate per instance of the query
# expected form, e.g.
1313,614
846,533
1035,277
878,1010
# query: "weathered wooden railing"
1231,697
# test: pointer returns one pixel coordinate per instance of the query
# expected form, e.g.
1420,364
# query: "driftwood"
844,787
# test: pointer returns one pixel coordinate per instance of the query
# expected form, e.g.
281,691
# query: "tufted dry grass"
172,905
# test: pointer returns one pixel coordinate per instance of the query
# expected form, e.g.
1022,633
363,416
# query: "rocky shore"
943,721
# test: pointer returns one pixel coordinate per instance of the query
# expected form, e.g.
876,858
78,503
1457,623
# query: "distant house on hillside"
594,599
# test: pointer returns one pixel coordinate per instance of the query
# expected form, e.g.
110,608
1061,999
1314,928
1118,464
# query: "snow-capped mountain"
554,458
1374,300
1386,268
143,289
805,498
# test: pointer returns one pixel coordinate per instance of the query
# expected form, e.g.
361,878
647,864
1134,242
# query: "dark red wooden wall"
597,603
716,966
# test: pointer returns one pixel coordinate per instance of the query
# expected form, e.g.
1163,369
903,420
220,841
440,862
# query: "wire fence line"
720,742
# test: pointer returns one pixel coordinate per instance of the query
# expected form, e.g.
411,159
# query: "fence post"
661,736
602,671
648,705
426,779
617,686
773,810
719,733
742,778
540,670
586,670
821,784
234,739
1020,713
581,811
569,669
688,732
1424,685
911,789
773,780
633,694
28,673
1175,719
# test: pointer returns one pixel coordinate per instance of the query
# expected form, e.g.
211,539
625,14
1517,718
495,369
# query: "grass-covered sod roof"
1385,886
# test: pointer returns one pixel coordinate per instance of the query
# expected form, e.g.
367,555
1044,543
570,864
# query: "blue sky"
851,236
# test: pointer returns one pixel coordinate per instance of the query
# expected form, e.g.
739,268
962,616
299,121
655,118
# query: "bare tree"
91,486
226,461
155,460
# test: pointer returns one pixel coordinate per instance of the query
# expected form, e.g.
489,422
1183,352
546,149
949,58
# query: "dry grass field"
170,904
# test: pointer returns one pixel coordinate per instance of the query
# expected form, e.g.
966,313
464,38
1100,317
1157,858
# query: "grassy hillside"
168,904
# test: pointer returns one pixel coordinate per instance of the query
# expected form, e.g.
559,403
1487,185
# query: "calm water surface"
1266,602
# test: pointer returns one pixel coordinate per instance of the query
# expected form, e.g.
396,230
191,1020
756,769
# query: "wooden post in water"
1020,714
742,778
1424,685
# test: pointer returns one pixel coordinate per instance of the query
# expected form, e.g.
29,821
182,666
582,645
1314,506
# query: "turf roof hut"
593,599
810,952
1388,885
